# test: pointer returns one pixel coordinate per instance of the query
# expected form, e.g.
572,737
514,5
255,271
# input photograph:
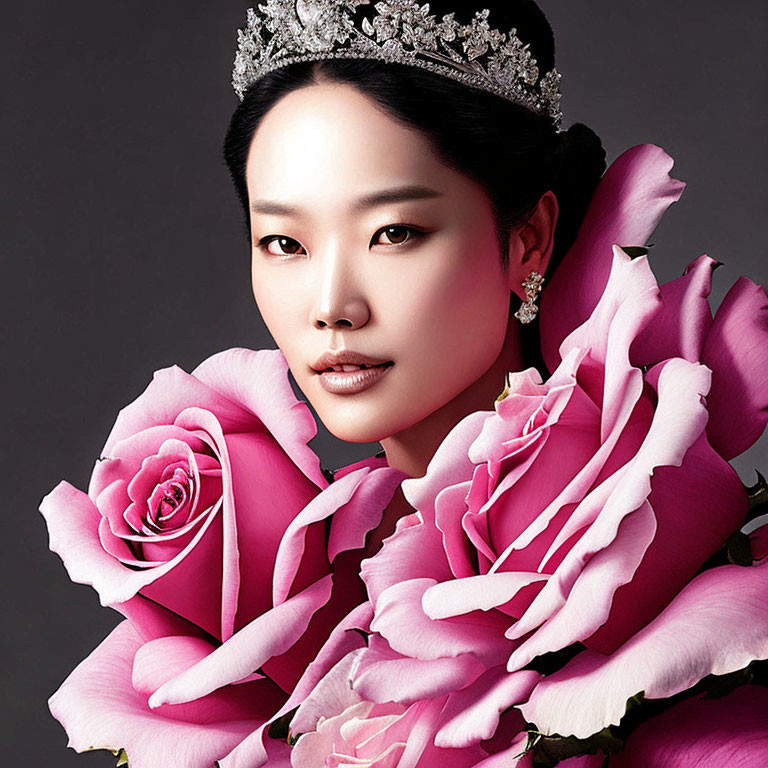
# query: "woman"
403,222
442,325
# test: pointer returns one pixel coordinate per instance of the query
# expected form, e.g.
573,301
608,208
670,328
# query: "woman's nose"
340,304
353,313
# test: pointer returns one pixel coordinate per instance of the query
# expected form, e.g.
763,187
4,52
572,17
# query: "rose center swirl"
169,505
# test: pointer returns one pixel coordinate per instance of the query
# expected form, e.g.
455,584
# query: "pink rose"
336,727
205,525
330,720
581,506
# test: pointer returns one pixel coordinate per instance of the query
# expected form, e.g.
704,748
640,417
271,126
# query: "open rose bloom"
575,516
205,525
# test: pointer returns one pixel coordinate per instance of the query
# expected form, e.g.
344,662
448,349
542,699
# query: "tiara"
401,31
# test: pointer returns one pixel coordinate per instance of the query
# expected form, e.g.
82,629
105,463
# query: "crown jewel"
401,31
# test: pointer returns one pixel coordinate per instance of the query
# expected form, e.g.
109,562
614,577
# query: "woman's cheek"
282,306
456,329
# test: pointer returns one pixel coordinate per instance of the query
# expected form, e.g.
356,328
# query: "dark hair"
516,154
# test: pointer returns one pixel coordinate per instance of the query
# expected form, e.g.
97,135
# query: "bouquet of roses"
583,580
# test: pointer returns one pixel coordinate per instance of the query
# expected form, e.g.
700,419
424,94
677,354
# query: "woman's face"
375,267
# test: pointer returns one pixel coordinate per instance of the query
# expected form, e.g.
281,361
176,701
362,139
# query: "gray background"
122,249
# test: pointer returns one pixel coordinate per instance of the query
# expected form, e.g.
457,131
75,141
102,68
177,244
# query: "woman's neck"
412,449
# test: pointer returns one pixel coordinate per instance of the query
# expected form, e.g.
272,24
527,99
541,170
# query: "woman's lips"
350,378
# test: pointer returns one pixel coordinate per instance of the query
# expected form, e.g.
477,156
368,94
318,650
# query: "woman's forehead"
331,143
333,124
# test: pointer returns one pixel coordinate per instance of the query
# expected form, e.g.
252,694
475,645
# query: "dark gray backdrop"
122,249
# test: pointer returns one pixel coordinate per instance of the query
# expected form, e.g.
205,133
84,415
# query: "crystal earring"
528,308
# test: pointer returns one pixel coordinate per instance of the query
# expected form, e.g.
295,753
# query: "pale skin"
416,282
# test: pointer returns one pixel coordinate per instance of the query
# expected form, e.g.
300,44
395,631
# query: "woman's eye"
287,246
398,234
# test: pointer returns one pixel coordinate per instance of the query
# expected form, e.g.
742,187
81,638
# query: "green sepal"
507,389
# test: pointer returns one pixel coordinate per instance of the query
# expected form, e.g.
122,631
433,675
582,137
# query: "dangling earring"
528,308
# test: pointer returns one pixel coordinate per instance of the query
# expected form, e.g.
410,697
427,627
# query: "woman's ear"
530,246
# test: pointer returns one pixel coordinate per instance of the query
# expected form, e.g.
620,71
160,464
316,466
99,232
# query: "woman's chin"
357,429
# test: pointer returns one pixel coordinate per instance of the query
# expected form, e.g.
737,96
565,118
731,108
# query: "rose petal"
736,350
589,602
420,749
472,714
99,709
293,547
400,618
717,624
171,391
152,621
512,757
127,454
73,525
384,675
703,733
157,661
257,749
268,635
679,419
460,596
449,465
627,205
190,583
355,520
269,492
332,695
629,304
258,380
415,550
680,328
450,509
715,505
378,461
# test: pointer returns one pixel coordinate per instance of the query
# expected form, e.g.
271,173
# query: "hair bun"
581,146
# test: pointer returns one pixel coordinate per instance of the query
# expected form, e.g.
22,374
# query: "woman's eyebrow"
362,204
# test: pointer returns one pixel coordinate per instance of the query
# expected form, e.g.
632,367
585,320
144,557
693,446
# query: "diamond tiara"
402,31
